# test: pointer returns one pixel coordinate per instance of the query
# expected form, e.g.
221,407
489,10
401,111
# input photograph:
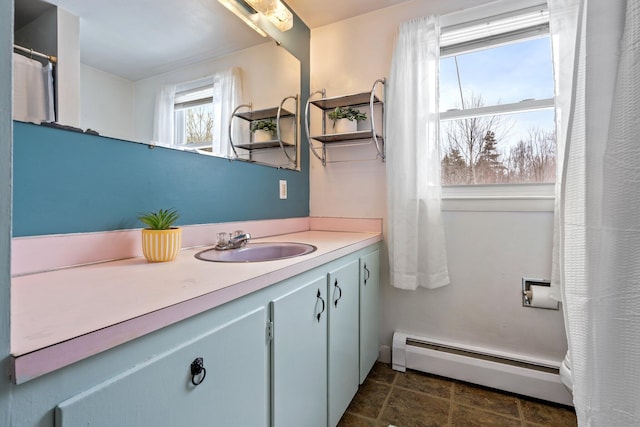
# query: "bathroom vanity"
280,343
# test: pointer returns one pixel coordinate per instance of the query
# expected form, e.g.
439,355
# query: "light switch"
283,189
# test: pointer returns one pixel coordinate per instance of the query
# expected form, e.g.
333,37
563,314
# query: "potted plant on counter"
263,130
161,241
345,119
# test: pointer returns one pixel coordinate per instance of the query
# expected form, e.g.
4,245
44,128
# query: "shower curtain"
417,255
598,233
32,90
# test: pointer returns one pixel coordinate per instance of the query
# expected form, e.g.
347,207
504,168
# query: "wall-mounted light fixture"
249,10
243,13
276,12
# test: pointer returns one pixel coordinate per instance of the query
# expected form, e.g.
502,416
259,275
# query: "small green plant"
266,125
348,113
161,220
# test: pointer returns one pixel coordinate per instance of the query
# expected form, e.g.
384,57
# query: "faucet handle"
222,239
237,233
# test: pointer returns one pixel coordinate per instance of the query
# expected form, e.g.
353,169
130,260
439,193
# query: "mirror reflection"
164,73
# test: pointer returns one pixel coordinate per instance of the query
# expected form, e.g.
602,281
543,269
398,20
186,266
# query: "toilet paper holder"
527,292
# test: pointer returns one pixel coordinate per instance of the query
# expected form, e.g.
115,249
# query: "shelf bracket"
322,158
233,147
379,147
375,135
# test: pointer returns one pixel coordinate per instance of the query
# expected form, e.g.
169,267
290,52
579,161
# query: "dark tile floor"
414,399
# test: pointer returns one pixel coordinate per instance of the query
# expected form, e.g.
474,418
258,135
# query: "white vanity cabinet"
369,312
299,355
315,349
231,391
343,349
290,354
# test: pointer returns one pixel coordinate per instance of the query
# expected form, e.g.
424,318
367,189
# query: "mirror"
155,72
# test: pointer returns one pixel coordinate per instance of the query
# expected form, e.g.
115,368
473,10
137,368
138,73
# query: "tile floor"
414,399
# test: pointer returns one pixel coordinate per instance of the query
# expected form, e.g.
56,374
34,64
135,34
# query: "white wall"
269,73
68,73
489,252
106,103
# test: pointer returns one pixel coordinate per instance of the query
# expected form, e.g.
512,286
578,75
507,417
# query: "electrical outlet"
283,189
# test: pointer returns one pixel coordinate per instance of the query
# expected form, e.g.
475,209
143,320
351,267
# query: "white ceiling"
135,39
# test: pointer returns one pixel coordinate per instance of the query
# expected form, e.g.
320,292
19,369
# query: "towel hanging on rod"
33,53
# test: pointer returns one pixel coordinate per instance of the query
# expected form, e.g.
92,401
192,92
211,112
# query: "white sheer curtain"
227,94
163,126
417,254
564,22
599,233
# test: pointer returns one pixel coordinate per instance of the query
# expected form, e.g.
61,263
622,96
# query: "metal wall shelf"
325,104
277,113
332,138
267,113
355,99
263,145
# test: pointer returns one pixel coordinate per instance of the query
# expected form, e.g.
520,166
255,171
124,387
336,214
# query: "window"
497,122
194,117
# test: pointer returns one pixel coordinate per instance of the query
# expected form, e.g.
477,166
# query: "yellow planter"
161,245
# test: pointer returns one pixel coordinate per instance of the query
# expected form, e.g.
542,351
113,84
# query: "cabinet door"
159,392
369,312
299,356
343,339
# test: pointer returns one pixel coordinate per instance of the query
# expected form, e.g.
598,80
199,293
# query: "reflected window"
193,117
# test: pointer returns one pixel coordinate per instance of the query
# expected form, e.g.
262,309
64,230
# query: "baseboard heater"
509,372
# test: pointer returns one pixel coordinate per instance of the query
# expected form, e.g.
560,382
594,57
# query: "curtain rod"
32,52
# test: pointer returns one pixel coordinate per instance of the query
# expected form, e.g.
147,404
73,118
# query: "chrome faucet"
239,239
236,240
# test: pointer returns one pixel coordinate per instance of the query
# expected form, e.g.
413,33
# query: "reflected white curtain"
599,200
32,90
163,126
417,254
227,95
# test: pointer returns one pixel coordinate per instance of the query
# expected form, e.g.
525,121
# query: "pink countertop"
62,316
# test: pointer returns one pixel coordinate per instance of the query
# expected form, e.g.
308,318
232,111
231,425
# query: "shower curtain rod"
32,52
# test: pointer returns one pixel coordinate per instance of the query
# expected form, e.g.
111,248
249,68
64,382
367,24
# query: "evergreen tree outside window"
497,121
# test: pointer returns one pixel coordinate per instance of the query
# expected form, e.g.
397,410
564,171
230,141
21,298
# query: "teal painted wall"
67,182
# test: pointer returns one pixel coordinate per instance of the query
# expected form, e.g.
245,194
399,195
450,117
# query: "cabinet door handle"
323,307
339,292
368,274
197,368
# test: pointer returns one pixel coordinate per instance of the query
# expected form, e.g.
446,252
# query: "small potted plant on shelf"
263,130
345,119
160,240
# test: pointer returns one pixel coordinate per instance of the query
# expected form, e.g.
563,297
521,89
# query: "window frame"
179,120
496,197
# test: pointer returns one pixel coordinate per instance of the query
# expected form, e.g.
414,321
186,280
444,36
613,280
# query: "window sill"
499,198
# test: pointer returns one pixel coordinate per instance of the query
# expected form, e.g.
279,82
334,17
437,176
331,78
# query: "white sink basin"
255,252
